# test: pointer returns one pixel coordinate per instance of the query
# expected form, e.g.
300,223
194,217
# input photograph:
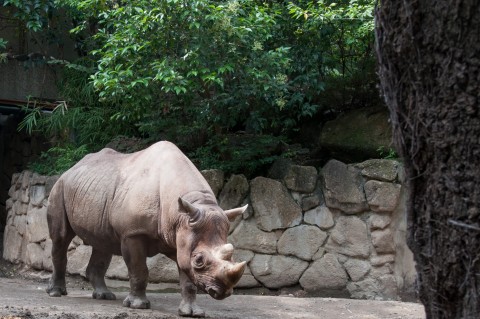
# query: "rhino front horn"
236,271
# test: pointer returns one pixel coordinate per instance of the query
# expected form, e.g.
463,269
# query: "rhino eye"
199,261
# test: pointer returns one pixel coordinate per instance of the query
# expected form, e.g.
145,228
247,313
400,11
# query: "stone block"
302,179
37,227
78,260
117,269
277,271
357,268
240,255
383,241
301,241
248,236
247,280
215,179
320,216
382,196
234,192
162,269
380,260
343,188
273,206
349,237
377,221
12,244
35,255
37,195
324,273
379,169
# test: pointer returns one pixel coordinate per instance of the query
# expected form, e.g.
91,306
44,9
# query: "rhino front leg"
96,269
188,306
135,256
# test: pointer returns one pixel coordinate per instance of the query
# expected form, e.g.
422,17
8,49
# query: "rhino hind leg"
188,306
57,286
96,270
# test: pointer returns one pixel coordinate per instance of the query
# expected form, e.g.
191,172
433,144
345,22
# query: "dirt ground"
22,296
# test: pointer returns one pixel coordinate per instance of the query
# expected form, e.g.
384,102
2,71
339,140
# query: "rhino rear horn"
234,212
192,211
226,252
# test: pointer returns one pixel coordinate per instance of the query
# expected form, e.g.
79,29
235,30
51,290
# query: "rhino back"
109,195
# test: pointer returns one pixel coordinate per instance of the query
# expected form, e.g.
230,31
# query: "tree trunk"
429,68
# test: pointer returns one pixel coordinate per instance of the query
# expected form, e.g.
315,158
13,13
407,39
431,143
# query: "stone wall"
337,232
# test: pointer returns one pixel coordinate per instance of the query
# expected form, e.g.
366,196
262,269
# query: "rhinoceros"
139,205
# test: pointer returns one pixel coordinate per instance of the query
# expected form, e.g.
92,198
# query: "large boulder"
273,206
349,237
382,196
343,187
301,179
379,169
215,179
277,271
357,135
302,241
162,269
248,236
324,273
234,191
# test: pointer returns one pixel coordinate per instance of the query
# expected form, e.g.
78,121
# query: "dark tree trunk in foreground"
429,67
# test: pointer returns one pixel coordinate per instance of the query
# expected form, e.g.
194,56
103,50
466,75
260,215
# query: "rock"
37,194
78,260
37,227
309,202
382,259
301,241
20,208
273,206
247,280
20,223
356,268
12,244
35,255
248,236
357,135
277,271
381,196
49,182
349,237
47,255
301,179
319,254
379,169
234,191
325,273
377,221
365,289
343,188
279,168
320,216
240,255
215,179
162,269
383,241
117,269
37,179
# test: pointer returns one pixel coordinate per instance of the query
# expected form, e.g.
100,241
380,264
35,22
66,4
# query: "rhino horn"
225,252
236,271
194,213
234,212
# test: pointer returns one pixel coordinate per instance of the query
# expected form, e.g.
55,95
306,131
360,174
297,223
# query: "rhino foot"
190,310
136,302
56,291
107,295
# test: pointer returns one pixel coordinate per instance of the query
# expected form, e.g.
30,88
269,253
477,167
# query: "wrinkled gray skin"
138,205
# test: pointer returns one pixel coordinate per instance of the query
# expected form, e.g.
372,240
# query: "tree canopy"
197,71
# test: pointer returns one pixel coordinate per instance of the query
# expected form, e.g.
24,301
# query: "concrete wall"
339,231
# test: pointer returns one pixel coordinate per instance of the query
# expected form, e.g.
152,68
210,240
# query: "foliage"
197,71
58,159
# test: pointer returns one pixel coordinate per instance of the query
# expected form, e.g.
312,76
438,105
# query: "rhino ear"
194,213
234,212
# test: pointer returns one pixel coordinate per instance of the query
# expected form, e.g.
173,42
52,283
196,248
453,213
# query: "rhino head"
202,249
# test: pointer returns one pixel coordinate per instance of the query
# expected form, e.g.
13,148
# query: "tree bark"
429,67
